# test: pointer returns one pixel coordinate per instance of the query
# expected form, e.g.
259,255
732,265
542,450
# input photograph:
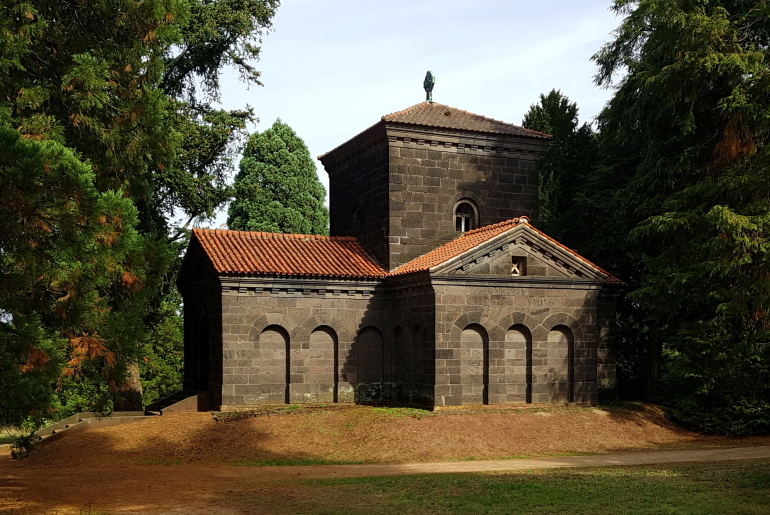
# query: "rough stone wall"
418,340
396,187
203,337
318,323
358,192
501,344
411,354
431,171
606,362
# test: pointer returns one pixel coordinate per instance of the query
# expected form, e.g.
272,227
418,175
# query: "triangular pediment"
534,253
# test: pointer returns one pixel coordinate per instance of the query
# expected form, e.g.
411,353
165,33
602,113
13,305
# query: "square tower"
421,177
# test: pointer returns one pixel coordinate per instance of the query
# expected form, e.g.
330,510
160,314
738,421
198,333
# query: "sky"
332,68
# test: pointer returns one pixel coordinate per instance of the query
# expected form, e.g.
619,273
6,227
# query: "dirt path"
197,489
187,463
444,467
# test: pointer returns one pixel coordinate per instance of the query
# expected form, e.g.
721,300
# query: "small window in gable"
465,217
518,266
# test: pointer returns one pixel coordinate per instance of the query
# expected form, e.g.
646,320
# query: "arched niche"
518,364
313,370
561,364
399,358
272,370
474,365
369,356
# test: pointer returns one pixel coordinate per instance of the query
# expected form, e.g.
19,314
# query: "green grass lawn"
7,434
732,488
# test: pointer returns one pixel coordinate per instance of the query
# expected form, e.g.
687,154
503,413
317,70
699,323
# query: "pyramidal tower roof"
433,114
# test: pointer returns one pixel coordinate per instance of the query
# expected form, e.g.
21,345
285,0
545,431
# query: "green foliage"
71,259
565,163
162,351
277,189
679,206
114,83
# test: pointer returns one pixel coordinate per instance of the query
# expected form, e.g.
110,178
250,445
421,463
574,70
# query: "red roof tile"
264,253
476,237
456,247
432,114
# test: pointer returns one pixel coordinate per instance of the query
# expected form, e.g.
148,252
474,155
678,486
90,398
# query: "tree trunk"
130,392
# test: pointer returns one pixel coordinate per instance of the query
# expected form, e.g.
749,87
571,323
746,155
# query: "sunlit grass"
704,489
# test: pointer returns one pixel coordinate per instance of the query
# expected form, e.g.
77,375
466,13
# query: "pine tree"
71,265
277,188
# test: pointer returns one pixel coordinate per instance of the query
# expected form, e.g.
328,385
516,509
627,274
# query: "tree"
70,260
685,145
565,163
128,87
277,188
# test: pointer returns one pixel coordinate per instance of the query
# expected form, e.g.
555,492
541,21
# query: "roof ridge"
277,235
484,117
510,221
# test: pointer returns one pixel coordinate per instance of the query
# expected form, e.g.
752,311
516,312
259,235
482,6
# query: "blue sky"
332,68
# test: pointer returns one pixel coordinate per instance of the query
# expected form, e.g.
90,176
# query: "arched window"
465,217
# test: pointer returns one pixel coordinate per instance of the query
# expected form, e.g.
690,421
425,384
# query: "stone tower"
421,177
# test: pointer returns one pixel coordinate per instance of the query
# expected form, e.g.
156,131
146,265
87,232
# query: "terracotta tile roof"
476,237
440,115
264,253
456,247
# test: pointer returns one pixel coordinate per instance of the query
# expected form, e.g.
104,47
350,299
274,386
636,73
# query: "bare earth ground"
183,463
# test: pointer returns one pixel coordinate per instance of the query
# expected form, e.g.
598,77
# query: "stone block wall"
396,187
323,327
606,362
203,337
430,172
358,191
416,340
498,344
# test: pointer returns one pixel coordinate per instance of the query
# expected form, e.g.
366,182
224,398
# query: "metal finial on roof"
430,80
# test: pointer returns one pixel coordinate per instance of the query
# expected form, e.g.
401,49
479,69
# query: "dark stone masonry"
435,288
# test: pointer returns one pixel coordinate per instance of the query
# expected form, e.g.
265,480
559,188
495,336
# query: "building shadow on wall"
391,360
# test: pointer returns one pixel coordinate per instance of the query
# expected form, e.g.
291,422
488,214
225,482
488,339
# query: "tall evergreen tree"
72,265
277,188
128,87
565,163
684,200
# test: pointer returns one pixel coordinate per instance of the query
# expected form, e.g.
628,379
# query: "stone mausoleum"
434,289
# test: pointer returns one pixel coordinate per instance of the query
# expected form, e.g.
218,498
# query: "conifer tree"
277,188
565,163
682,201
127,87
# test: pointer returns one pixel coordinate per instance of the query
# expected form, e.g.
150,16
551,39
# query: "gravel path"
400,469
